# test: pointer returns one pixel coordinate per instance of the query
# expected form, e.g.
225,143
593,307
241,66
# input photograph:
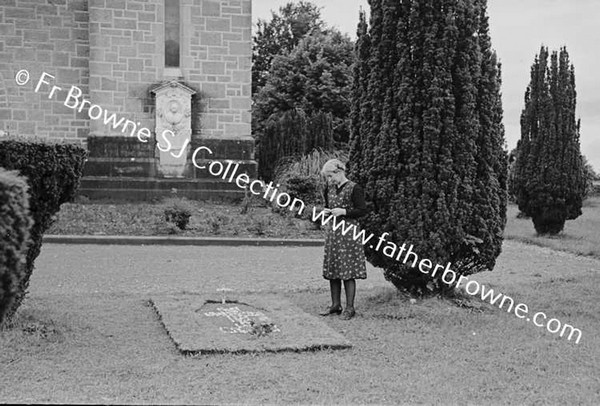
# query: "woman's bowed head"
334,172
344,258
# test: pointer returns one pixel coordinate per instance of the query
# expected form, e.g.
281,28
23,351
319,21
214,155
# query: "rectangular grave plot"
201,325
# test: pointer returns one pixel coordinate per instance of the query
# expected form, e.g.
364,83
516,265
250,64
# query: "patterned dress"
344,257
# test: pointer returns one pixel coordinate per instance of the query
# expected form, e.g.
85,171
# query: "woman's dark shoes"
331,310
348,314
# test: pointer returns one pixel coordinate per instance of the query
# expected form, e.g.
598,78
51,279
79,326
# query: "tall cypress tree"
549,175
430,136
360,109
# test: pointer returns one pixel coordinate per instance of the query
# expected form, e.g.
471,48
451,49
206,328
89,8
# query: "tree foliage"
301,85
512,163
590,177
315,77
280,35
549,174
292,133
427,139
300,176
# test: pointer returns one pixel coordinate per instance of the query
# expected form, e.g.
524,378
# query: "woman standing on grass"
344,257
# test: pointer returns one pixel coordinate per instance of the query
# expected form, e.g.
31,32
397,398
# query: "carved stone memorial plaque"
173,127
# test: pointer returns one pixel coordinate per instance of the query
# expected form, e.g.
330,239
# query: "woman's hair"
333,165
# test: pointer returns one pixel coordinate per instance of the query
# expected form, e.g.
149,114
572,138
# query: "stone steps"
147,189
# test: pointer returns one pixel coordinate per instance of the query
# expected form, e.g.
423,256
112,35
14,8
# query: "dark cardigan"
358,201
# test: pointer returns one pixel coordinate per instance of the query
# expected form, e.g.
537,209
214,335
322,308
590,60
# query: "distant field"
580,236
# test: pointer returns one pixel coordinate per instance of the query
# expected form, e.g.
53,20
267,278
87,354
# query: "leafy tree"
512,163
590,177
315,77
427,138
301,85
549,175
593,174
280,35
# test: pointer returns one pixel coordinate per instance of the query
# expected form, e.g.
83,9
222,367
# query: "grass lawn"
86,334
580,236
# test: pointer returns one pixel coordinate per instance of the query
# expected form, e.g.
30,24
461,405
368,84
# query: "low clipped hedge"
53,172
15,223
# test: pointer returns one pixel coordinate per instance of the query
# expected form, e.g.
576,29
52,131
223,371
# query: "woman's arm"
359,208
324,195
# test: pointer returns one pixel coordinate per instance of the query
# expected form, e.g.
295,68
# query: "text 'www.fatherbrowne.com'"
74,100
448,276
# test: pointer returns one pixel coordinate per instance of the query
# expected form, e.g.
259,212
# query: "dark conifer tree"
360,102
549,174
428,140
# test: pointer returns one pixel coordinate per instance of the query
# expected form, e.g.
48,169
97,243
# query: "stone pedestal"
120,156
124,168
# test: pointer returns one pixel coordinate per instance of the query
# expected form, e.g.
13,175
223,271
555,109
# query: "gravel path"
151,269
88,269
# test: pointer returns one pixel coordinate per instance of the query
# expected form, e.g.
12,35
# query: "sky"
518,28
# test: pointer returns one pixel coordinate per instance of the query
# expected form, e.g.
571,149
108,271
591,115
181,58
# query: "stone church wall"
113,50
50,36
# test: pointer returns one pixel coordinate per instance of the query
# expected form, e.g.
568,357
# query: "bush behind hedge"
53,172
15,224
300,176
291,133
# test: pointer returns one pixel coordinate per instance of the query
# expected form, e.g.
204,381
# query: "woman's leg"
336,301
336,293
350,287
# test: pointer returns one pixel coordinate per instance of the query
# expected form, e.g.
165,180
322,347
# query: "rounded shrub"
53,172
15,223
178,211
300,176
